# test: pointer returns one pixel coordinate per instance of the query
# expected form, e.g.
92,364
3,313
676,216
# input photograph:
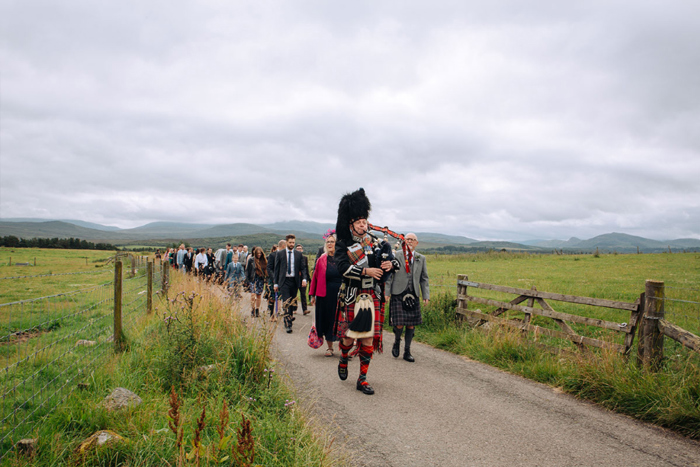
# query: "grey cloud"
499,119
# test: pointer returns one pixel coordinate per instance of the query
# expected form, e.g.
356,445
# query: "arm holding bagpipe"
385,257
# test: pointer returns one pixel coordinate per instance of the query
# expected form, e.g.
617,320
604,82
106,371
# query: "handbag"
315,341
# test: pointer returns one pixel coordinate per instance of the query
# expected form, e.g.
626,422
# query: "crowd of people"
353,277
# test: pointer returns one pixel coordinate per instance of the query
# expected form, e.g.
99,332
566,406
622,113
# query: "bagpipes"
398,236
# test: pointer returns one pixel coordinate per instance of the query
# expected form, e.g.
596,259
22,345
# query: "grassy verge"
669,398
202,373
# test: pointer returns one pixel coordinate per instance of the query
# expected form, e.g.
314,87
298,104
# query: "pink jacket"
318,281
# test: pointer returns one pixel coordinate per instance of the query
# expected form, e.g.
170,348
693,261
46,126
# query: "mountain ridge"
610,242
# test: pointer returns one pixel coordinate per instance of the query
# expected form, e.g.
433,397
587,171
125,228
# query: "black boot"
407,348
397,342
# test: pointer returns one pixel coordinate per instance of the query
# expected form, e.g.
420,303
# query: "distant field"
615,277
50,261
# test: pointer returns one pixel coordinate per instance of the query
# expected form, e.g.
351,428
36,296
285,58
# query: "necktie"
289,262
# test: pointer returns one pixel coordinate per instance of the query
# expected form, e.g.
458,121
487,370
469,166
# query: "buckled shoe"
365,388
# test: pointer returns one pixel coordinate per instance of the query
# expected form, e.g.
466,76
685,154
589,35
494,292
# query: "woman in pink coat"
325,285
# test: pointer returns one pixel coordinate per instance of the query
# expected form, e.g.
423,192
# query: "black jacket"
271,265
281,268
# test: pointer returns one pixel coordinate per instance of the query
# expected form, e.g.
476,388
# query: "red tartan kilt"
350,315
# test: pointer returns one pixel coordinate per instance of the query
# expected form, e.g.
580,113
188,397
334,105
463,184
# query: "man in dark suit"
289,276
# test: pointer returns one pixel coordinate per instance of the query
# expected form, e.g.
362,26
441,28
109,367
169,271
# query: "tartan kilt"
343,322
399,317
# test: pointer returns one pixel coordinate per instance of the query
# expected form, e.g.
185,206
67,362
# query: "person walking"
271,279
289,276
189,259
256,273
360,315
403,290
200,262
323,292
234,275
180,257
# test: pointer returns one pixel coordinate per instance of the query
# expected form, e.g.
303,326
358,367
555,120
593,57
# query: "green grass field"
90,264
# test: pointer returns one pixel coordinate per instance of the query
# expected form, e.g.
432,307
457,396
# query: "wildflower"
289,403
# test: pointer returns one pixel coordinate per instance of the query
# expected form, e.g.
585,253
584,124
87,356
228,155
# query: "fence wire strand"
47,357
54,275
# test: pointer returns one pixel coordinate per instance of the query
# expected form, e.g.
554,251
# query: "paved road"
445,410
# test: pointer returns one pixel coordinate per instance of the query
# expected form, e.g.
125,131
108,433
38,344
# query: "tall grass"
223,374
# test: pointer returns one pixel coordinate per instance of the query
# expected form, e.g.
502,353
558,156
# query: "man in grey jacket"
403,290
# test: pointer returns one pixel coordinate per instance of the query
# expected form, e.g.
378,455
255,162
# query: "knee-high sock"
344,351
409,338
397,334
365,358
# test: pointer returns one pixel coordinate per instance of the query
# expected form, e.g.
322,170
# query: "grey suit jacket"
397,282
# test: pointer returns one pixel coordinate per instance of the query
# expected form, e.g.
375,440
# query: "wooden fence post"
118,306
461,292
149,296
651,340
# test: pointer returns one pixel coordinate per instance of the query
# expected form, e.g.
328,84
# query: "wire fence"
682,307
54,275
49,345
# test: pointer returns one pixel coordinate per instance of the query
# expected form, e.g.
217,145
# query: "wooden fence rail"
646,315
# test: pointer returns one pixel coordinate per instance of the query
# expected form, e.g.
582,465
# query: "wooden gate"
534,297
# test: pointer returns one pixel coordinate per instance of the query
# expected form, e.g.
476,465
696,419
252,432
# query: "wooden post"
634,323
86,261
35,261
651,340
118,306
461,291
133,266
149,296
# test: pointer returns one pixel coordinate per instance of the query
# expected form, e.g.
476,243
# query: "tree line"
66,243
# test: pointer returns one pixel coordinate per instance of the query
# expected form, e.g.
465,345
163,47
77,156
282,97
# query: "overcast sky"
493,120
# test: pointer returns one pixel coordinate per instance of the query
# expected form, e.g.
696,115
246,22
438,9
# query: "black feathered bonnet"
353,206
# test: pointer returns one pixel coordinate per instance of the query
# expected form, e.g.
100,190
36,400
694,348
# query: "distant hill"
429,237
165,233
166,228
89,225
299,226
52,229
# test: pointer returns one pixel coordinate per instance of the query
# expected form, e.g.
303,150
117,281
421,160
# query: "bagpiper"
364,262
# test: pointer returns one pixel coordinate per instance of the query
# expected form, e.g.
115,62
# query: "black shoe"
408,357
342,372
289,330
395,349
365,388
